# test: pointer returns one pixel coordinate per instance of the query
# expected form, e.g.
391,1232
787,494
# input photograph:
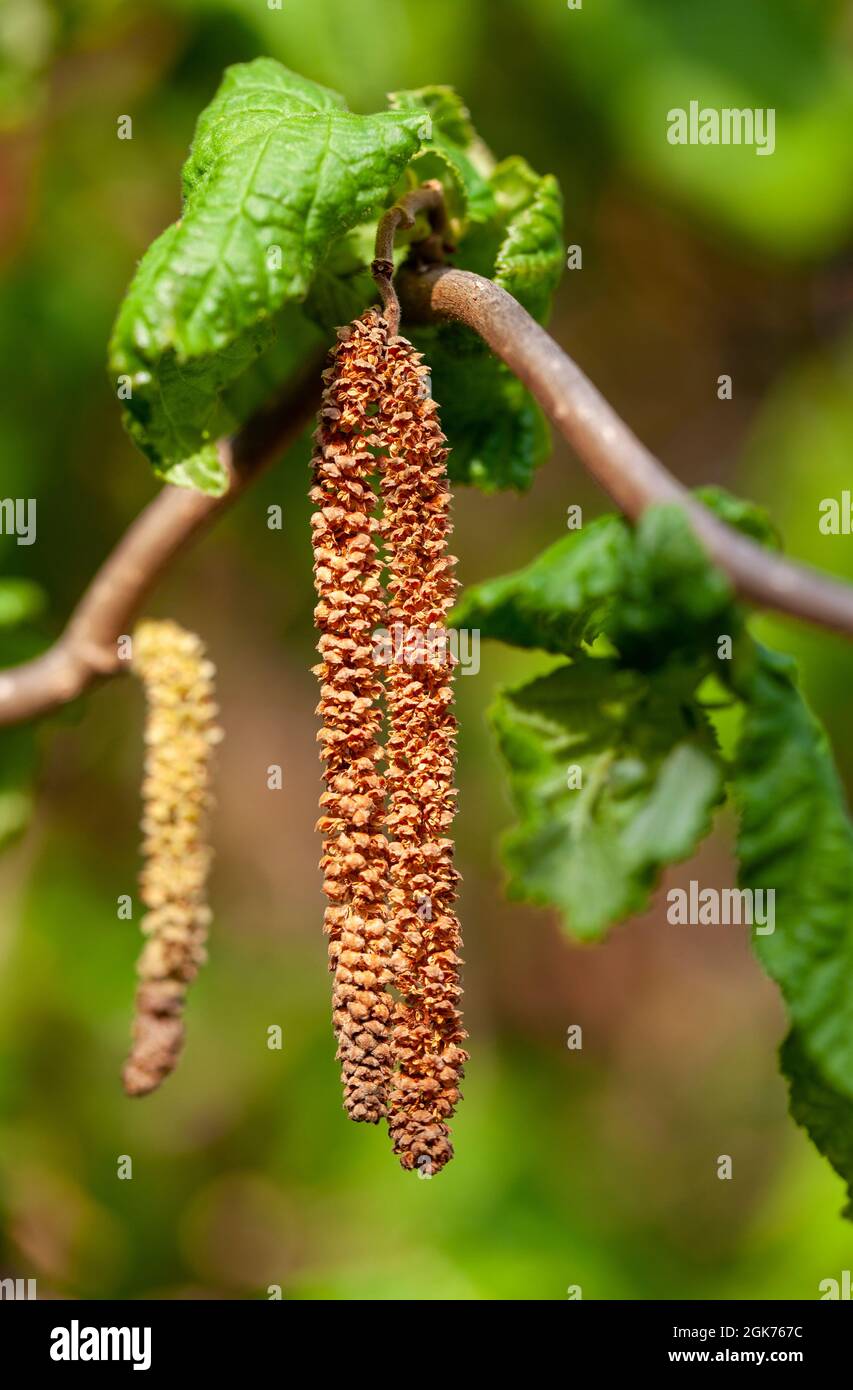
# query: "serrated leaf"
278,172
671,601
651,778
796,839
177,411
661,605
448,114
530,257
674,603
558,601
825,1115
450,152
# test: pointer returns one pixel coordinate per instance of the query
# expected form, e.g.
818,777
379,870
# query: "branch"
87,652
428,198
624,467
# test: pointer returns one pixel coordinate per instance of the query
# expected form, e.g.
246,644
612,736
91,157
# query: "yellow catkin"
428,1032
350,607
181,733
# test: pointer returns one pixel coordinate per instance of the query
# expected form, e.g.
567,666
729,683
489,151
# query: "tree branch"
87,652
624,467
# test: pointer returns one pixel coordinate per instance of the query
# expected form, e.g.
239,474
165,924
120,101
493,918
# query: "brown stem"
429,198
86,651
610,451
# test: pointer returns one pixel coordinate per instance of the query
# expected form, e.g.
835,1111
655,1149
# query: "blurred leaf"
558,601
349,44
27,37
20,601
674,603
497,434
633,64
670,599
743,515
826,1115
795,837
650,768
17,769
651,779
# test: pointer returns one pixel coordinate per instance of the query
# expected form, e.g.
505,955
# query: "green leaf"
21,600
669,577
558,601
744,516
826,1115
497,434
278,172
671,602
650,780
178,411
652,774
530,258
343,286
795,838
451,153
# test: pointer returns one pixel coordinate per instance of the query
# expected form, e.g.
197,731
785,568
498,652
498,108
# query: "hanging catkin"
180,735
421,754
347,572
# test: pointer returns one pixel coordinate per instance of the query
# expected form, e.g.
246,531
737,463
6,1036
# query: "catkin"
421,754
350,608
181,733
390,918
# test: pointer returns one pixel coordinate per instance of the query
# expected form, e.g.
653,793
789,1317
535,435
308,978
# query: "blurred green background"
594,1168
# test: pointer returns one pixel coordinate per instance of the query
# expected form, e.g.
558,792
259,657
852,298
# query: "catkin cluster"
181,733
390,918
421,758
347,573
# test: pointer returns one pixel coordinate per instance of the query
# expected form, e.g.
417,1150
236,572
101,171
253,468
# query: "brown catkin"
181,733
350,608
421,756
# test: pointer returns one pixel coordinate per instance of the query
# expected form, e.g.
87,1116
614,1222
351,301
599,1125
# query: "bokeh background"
597,1167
